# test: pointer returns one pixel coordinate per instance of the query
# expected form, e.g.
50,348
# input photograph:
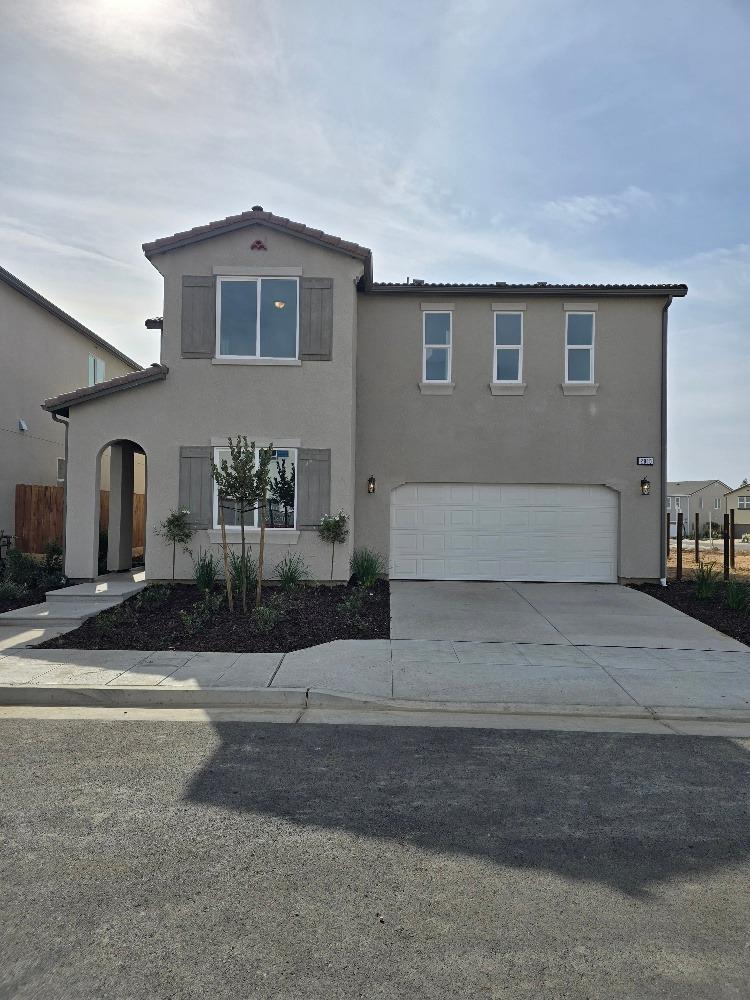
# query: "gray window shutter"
313,486
198,316
316,319
196,485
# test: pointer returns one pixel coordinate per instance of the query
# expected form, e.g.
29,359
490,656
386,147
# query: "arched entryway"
121,507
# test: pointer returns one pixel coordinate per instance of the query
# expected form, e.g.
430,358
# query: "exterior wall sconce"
645,487
371,485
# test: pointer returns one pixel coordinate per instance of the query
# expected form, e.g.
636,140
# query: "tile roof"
686,487
256,216
62,403
20,286
537,287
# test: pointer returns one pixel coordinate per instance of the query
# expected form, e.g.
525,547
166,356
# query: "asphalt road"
185,860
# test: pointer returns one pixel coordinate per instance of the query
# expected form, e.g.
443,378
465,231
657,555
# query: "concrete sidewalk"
397,676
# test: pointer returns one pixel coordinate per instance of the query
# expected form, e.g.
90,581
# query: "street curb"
72,696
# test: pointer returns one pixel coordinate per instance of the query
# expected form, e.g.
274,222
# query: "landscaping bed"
33,596
711,610
178,617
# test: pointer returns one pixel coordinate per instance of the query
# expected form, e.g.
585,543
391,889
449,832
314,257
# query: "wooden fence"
39,516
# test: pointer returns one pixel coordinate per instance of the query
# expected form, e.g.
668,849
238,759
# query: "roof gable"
22,288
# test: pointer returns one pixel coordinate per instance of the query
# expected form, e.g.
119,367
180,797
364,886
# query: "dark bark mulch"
308,615
711,611
35,596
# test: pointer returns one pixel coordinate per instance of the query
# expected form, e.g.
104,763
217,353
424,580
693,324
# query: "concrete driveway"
574,614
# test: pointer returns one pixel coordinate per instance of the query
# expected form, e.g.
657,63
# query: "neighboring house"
739,501
43,351
471,431
696,496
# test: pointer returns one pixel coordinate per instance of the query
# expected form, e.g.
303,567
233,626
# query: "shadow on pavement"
624,811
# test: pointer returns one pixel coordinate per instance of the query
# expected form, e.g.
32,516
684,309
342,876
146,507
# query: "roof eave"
61,404
582,291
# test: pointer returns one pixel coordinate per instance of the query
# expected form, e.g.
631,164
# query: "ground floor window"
281,505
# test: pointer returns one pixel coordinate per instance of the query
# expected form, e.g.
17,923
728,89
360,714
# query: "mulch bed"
711,611
309,615
30,597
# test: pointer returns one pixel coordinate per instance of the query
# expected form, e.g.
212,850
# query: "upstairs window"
716,503
677,503
96,370
281,503
743,503
579,347
438,338
669,503
257,317
508,366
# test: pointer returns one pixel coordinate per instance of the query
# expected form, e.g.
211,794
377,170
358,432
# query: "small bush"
11,591
266,617
351,605
737,595
206,571
236,569
706,580
153,596
366,566
745,538
23,569
53,559
292,571
198,616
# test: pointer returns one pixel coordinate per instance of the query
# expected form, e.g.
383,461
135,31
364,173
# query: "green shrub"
351,605
23,569
737,595
706,580
206,571
292,571
10,590
198,616
334,529
237,567
153,596
266,617
53,558
745,538
366,566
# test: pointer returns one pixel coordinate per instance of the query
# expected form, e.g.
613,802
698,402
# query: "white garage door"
452,531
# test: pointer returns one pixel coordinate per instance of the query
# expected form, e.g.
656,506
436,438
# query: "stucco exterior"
703,497
741,514
365,404
542,436
40,356
311,405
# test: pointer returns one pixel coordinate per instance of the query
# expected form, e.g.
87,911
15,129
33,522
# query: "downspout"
663,490
59,420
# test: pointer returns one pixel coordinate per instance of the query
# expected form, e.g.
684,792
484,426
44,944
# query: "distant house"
696,496
739,501
43,351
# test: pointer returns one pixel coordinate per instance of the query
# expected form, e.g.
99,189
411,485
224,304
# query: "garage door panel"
504,532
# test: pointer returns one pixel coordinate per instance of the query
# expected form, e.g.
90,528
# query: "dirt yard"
716,556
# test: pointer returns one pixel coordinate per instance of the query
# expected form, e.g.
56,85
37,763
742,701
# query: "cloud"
592,209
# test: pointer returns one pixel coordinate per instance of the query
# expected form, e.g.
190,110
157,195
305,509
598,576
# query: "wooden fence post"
680,531
731,537
697,538
669,533
726,546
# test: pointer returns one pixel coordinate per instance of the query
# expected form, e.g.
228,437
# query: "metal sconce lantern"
371,484
645,487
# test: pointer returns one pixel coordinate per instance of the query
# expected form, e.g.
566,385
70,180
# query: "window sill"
274,536
286,362
580,388
436,388
507,388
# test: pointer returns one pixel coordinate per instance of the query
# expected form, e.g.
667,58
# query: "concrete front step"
108,592
61,615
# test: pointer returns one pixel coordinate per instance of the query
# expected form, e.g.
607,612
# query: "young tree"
282,491
176,530
262,476
334,529
237,484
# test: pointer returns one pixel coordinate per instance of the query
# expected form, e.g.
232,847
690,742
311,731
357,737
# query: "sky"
483,140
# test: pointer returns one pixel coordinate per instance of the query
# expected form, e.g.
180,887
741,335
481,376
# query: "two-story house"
739,501
489,432
689,497
43,352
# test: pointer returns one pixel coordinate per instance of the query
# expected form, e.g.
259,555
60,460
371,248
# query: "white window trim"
506,347
232,529
581,347
448,348
669,503
716,503
258,278
94,361
677,503
745,505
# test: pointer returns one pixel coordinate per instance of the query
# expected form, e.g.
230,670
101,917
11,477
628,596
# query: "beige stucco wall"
198,402
542,436
741,517
40,356
691,505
